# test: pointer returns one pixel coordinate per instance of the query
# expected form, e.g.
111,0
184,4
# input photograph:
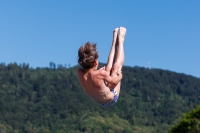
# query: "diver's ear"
96,63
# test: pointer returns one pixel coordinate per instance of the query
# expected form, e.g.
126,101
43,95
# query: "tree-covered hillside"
50,100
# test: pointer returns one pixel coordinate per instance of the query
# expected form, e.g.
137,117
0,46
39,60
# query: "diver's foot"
121,34
115,34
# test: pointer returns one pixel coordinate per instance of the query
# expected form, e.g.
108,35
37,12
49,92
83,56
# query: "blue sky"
164,33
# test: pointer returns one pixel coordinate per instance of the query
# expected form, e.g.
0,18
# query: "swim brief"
113,101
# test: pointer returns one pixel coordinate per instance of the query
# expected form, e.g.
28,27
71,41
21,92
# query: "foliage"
190,123
45,100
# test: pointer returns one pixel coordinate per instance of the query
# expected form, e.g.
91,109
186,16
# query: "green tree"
190,123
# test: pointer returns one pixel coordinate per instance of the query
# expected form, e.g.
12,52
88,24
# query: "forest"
50,100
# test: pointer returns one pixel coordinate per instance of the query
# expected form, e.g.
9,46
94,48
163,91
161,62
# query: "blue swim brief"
113,101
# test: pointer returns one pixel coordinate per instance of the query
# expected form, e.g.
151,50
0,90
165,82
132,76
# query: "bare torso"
94,86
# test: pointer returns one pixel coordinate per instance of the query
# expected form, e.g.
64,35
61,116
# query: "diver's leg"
112,51
119,57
